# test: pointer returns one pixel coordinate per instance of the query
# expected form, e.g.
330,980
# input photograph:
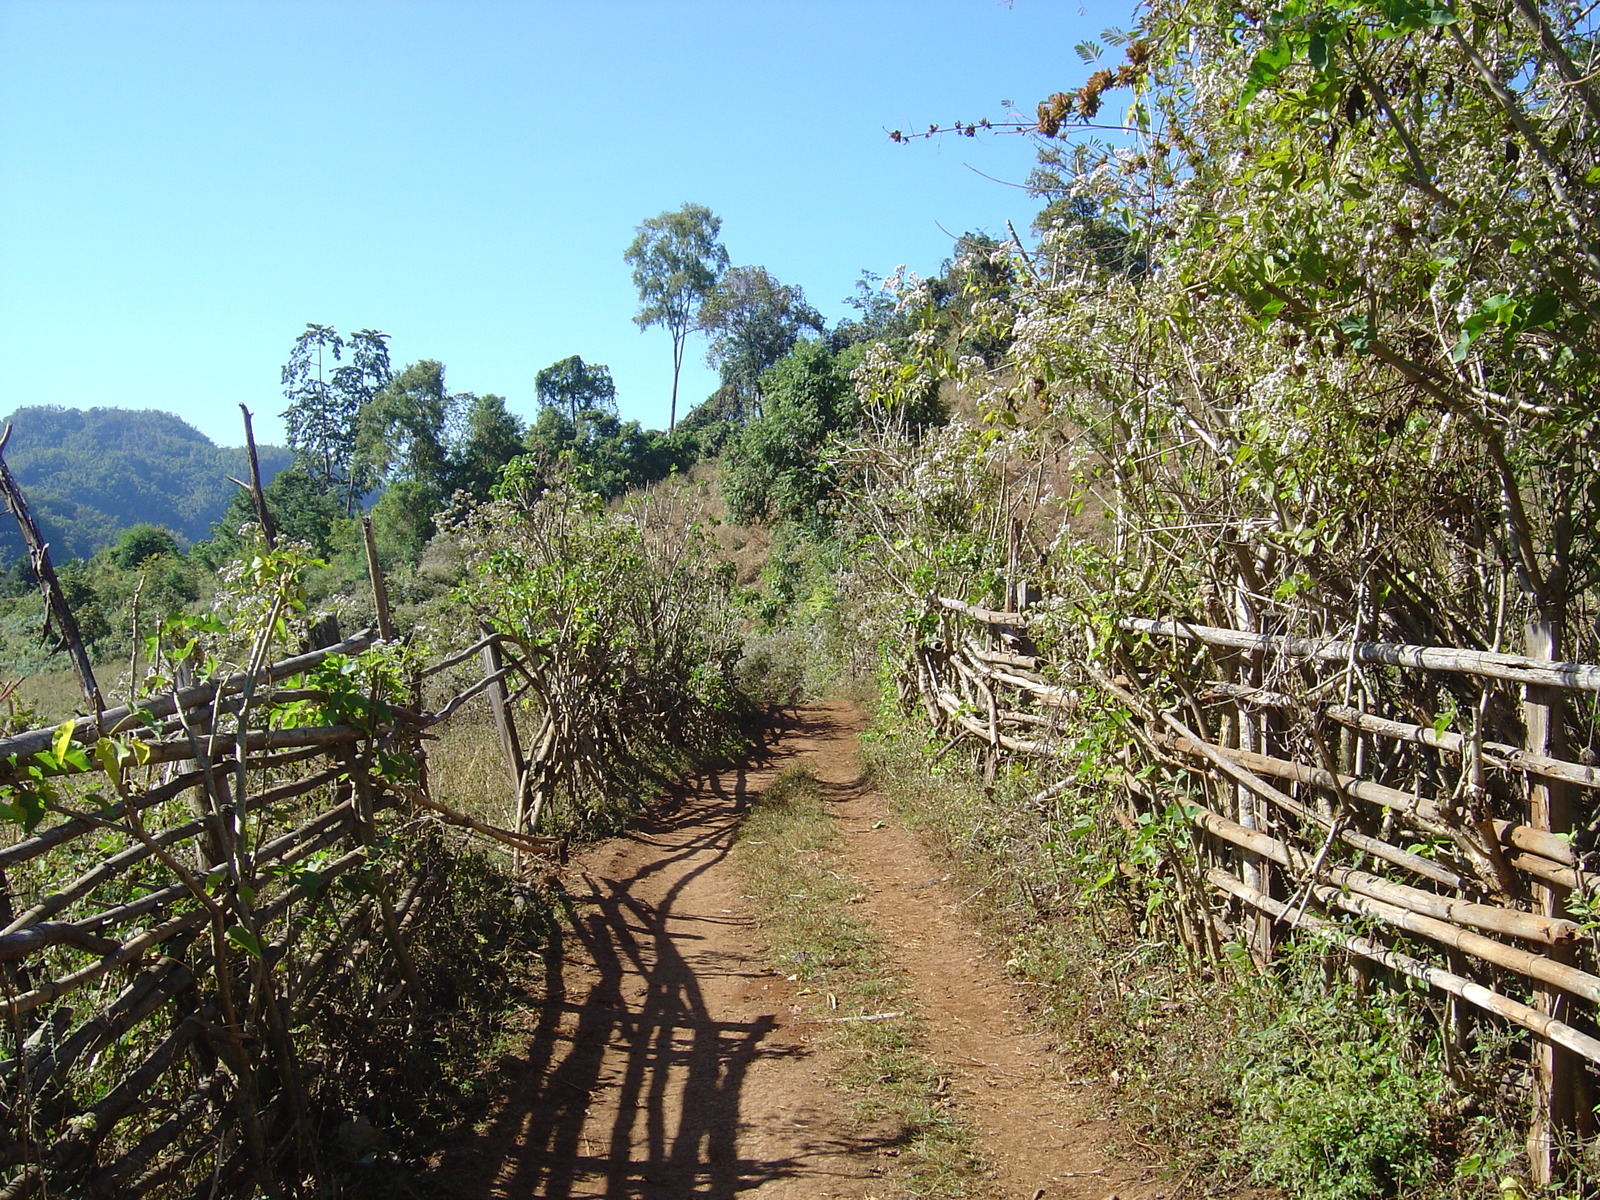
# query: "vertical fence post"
49,585
499,705
1557,1073
380,589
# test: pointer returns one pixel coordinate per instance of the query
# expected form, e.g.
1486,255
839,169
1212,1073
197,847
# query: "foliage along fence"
1287,783
199,954
229,918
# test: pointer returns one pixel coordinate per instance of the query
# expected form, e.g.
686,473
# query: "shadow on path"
634,1081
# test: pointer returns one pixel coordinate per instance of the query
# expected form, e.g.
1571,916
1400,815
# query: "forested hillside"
92,473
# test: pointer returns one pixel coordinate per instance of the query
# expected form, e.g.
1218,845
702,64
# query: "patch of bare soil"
669,1060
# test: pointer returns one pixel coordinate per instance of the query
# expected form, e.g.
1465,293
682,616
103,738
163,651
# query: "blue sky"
184,185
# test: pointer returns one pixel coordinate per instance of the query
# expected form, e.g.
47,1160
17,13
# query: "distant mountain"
88,474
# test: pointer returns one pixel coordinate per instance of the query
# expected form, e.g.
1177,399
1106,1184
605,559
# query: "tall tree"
753,321
676,261
404,430
576,387
493,437
326,396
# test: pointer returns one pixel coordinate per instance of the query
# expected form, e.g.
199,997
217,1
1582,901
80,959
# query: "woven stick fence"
210,904
201,901
1433,854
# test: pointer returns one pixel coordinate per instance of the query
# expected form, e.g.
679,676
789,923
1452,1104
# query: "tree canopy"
753,321
676,260
576,387
326,396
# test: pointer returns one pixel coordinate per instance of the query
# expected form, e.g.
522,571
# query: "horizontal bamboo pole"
1489,917
1499,754
1476,994
985,616
1502,755
119,720
257,740
1002,658
952,705
1513,958
1534,841
1415,863
1514,668
17,946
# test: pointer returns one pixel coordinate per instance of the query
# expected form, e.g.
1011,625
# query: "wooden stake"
49,585
509,743
380,590
1557,1073
257,495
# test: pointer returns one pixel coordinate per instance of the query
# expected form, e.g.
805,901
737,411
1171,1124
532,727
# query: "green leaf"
1318,50
246,941
106,753
63,739
1270,62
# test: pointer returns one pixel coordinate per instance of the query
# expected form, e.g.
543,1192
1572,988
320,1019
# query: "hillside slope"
91,473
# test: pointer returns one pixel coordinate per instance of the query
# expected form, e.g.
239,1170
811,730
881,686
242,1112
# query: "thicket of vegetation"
1307,346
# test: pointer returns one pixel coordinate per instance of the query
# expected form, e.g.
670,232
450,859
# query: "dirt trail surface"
670,1060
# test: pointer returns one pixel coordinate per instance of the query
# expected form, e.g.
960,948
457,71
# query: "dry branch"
118,720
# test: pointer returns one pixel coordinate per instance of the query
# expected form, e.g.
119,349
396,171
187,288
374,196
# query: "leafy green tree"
403,520
492,438
576,387
598,453
880,317
141,542
775,466
302,510
403,432
753,321
676,260
326,401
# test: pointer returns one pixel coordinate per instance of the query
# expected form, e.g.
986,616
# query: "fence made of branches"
212,917
231,919
1413,806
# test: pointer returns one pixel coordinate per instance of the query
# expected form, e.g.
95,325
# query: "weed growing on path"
791,855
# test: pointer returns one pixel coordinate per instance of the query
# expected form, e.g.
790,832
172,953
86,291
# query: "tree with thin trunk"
677,261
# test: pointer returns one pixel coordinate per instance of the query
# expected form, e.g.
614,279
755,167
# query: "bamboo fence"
1424,851
206,893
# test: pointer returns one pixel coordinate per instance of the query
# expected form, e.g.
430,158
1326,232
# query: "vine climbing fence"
1409,805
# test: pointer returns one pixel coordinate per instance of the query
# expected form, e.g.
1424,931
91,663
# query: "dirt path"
670,1061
